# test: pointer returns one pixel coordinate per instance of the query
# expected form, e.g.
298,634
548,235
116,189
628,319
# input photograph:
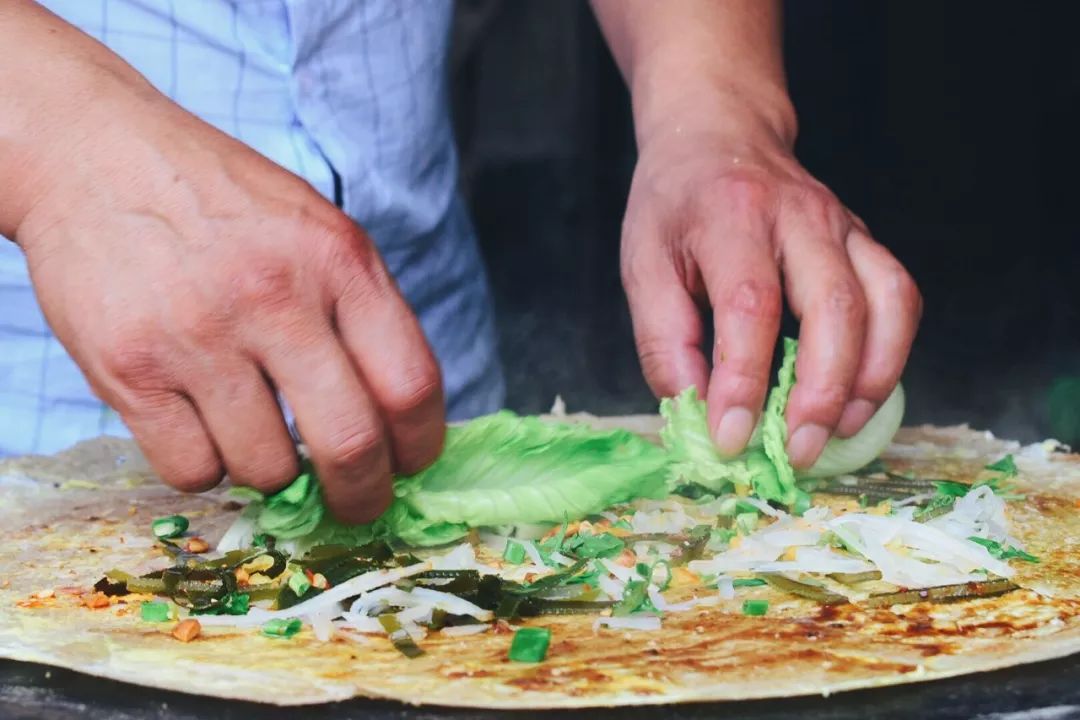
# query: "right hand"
190,278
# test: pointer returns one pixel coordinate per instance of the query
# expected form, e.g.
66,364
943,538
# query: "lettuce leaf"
694,457
507,469
763,468
782,488
496,470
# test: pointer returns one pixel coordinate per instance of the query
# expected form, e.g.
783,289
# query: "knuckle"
415,389
132,360
266,286
756,299
352,448
655,358
194,477
828,400
844,299
819,206
742,192
267,471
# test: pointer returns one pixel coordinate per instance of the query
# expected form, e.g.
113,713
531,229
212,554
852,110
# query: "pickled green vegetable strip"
855,578
811,592
401,639
154,611
530,645
747,582
942,593
570,607
169,527
282,627
755,608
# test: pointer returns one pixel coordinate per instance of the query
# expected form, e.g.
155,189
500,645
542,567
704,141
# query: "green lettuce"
500,469
762,469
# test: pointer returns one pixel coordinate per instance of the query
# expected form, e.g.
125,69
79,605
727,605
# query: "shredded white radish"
623,574
462,557
629,622
361,623
913,500
611,587
533,553
764,507
462,630
322,624
661,604
349,588
561,559
451,603
726,586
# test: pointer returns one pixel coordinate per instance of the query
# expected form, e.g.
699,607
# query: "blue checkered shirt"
350,93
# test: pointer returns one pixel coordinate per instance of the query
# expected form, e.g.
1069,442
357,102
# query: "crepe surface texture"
68,519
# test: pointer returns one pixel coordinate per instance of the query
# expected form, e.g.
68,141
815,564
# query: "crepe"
68,519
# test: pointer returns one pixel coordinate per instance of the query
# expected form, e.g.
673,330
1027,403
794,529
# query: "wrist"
711,103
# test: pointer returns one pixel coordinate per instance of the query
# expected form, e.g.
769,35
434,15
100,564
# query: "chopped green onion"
530,644
173,526
1006,466
154,611
755,608
634,596
299,583
667,574
236,603
604,545
747,582
281,627
514,552
1000,552
622,524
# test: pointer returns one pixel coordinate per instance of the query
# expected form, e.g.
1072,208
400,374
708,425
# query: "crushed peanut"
187,630
627,558
95,601
318,580
197,545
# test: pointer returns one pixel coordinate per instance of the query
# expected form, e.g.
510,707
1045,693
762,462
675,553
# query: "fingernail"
733,431
855,415
806,444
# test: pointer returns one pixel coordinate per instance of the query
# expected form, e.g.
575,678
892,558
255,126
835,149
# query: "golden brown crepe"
68,519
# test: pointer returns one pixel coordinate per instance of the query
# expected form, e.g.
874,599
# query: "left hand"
722,213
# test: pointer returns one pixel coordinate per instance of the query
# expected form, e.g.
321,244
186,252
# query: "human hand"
721,213
190,278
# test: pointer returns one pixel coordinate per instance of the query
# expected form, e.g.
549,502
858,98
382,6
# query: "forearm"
52,75
695,62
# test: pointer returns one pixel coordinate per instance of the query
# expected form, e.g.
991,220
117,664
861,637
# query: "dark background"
950,127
